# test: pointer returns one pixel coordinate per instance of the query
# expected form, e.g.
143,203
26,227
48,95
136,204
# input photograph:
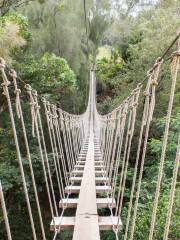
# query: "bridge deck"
86,223
88,178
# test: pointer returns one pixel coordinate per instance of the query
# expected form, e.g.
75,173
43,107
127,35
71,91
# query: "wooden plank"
104,202
103,223
102,189
70,203
80,172
107,223
97,179
98,189
79,166
97,167
101,202
86,224
97,162
64,223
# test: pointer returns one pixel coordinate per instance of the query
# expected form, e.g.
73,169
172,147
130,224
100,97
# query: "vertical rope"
20,115
5,85
53,129
5,215
119,147
38,125
113,159
133,106
58,135
172,192
123,161
174,71
147,118
49,124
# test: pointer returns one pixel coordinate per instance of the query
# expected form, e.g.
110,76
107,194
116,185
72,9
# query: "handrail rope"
20,116
66,124
110,133
60,145
5,215
174,74
70,142
162,58
123,162
5,85
112,139
58,136
54,135
131,134
109,139
63,128
114,147
152,105
123,118
42,146
115,228
147,118
61,216
57,231
172,192
49,124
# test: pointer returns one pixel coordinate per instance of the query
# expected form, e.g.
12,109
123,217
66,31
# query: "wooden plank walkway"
88,178
86,223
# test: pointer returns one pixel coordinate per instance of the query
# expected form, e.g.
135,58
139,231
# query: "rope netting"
116,132
62,135
66,133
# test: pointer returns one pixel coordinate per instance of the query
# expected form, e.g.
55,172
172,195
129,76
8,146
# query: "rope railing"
63,135
116,135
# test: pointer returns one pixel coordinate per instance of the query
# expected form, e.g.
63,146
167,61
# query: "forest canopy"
53,44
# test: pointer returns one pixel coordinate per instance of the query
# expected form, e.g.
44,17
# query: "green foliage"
14,34
58,27
109,82
48,74
56,60
21,21
150,179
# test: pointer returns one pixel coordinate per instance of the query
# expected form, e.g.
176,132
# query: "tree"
14,34
5,5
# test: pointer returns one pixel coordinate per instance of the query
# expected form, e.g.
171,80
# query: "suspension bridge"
90,157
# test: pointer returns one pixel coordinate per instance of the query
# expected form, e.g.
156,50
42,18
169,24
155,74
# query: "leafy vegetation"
49,46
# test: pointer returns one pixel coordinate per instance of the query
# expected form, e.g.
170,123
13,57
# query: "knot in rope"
154,82
49,115
34,93
131,104
54,114
5,85
13,73
155,72
2,63
150,90
174,62
176,53
6,82
125,109
61,118
147,93
33,108
158,62
17,91
43,99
